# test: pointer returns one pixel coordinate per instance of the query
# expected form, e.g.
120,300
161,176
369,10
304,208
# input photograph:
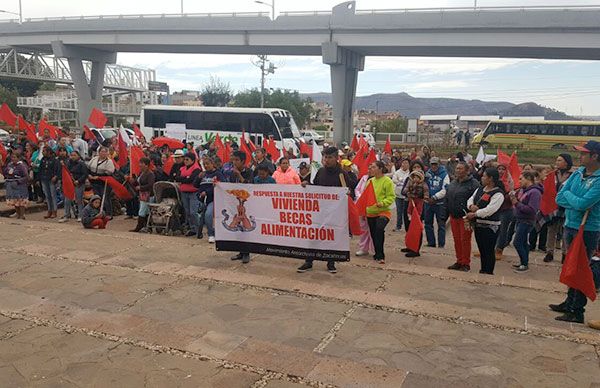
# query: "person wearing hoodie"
189,193
285,175
563,166
399,178
92,216
458,193
379,214
579,195
206,192
527,203
437,180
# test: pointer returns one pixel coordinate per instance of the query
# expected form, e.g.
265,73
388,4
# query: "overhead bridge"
342,37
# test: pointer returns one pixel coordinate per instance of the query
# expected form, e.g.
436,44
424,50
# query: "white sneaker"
211,239
79,220
361,253
64,219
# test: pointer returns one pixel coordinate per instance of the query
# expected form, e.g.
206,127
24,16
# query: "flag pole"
103,196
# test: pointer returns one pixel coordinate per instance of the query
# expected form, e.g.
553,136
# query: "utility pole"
266,68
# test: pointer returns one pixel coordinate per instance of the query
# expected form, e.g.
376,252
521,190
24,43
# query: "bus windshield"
287,126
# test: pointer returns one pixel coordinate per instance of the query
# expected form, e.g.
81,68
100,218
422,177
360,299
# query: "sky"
569,86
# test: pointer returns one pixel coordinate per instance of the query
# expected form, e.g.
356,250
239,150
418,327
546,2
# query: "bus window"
544,129
585,131
503,128
571,130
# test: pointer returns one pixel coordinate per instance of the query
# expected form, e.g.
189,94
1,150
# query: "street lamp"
271,4
20,14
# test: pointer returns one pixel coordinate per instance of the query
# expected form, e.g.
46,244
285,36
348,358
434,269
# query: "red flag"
272,150
576,272
415,231
250,144
123,154
366,199
354,144
362,143
306,149
227,152
97,118
136,154
67,184
388,146
138,132
58,131
548,204
119,190
221,150
365,162
353,218
503,158
3,153
244,148
514,169
29,129
168,165
22,123
7,115
53,131
87,133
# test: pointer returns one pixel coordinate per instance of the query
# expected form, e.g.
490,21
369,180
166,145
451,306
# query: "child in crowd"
264,175
93,217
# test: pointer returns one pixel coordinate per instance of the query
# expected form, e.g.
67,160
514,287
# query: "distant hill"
414,107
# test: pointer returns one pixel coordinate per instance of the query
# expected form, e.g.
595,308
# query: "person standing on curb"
581,194
563,166
379,216
458,193
241,174
483,211
437,180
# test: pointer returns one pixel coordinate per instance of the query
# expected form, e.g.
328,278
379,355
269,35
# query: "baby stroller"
164,212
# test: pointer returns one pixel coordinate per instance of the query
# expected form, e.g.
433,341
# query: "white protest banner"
175,131
295,163
282,220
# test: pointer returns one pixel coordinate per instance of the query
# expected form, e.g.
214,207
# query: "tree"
289,100
9,96
216,93
399,125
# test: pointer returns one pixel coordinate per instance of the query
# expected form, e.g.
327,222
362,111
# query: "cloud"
439,66
450,84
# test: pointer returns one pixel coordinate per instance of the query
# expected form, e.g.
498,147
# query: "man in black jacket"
457,194
176,168
79,172
331,175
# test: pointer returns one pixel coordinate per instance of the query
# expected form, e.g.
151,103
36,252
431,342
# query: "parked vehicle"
103,134
311,136
368,136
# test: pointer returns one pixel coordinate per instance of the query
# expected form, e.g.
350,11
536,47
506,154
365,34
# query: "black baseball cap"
591,146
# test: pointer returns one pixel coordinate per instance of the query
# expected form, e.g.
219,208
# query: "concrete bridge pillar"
344,65
89,93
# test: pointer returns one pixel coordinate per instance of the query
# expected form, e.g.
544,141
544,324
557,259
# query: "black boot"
141,223
571,317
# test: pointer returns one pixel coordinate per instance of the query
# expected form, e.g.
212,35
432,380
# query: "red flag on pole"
227,151
221,150
244,148
67,184
362,143
87,133
354,144
29,129
123,154
576,272
136,154
388,146
353,218
363,166
119,190
7,115
548,203
272,150
514,169
412,239
22,123
503,158
168,165
97,118
3,153
306,149
138,132
366,199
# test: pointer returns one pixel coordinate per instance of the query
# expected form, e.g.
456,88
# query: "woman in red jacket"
189,193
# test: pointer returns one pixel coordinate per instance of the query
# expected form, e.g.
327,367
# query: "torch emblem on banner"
241,222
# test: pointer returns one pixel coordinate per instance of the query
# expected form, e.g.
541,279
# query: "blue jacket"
579,194
438,183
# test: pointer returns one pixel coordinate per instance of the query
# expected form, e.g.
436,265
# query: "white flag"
480,155
125,136
317,159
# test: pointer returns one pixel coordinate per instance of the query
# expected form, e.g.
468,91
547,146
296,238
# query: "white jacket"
399,178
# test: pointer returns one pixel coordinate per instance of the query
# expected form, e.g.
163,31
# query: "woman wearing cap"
16,175
380,214
304,172
562,172
189,193
416,192
285,175
483,215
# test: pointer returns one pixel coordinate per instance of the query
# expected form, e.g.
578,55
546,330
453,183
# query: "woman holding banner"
379,215
285,175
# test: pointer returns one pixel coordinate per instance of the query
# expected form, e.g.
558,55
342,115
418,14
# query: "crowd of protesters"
477,199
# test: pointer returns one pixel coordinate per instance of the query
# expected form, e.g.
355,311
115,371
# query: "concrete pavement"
110,308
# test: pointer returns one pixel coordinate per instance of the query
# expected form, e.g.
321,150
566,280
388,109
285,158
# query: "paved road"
108,308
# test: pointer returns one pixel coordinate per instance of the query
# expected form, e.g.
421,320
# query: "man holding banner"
580,195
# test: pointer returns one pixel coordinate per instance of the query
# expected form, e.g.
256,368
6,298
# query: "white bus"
201,124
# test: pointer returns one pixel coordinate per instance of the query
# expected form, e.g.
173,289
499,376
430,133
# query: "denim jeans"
49,189
70,204
400,212
208,219
190,205
439,211
576,300
521,242
506,216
